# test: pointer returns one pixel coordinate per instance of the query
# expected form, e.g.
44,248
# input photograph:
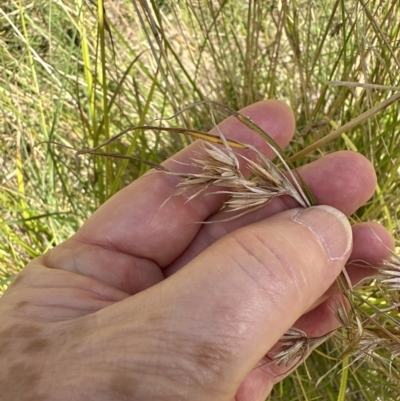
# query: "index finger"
132,221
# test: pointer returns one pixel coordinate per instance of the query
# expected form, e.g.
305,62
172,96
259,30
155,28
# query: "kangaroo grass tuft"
78,72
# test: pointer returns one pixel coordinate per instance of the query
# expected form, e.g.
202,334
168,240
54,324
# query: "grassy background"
78,72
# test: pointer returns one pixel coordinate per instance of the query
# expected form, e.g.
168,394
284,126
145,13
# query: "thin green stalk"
42,118
132,145
344,128
344,379
87,64
104,83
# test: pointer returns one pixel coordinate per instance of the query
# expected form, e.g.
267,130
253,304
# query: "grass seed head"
295,347
389,273
219,168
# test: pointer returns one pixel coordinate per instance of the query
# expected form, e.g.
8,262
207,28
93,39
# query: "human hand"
143,304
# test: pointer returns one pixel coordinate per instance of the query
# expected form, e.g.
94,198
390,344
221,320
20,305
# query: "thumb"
233,302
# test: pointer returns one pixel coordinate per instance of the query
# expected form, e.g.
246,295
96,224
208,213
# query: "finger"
130,236
372,244
375,242
230,305
328,179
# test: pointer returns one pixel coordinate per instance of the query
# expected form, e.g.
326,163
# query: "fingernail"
330,227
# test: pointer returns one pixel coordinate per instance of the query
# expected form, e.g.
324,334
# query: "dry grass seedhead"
367,334
220,169
353,328
295,346
389,273
217,169
371,327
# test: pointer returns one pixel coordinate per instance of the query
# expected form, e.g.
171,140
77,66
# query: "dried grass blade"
193,133
351,124
363,85
156,166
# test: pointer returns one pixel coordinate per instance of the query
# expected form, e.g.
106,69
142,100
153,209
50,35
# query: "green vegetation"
78,72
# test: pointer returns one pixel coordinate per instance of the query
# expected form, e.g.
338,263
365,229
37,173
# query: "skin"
144,304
